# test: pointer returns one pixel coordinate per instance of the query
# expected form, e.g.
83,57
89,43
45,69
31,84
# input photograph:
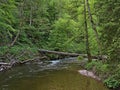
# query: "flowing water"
48,75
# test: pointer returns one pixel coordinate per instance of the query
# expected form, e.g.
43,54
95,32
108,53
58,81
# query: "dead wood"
42,51
6,66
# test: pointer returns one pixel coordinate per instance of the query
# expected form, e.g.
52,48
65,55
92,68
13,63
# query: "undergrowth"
109,73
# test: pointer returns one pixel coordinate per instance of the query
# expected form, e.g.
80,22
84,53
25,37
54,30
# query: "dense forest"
90,27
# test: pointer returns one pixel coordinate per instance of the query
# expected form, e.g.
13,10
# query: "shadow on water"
48,75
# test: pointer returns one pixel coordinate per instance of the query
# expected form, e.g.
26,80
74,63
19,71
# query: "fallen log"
6,66
42,51
2,63
34,59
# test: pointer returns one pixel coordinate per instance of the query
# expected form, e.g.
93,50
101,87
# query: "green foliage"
112,83
99,66
90,65
80,58
3,50
7,21
108,21
93,45
46,24
23,52
64,29
110,31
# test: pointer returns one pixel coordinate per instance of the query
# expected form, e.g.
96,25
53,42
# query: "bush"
23,52
112,83
18,52
90,65
98,66
80,58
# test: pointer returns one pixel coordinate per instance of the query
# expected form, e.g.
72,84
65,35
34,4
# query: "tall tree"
87,36
94,28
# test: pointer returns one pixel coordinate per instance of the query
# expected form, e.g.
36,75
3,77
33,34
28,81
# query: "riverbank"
108,73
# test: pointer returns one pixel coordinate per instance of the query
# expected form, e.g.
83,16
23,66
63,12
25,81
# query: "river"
48,75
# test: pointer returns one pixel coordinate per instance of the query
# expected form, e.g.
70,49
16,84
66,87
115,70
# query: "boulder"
88,74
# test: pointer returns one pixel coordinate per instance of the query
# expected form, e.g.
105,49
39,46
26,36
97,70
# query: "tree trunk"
94,28
87,36
31,11
15,39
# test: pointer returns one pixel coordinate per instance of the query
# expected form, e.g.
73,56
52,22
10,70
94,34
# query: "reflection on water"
50,75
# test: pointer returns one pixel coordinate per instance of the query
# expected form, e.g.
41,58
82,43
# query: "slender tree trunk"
31,10
87,36
15,39
94,28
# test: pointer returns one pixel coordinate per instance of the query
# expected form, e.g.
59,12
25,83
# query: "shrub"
98,66
112,83
80,58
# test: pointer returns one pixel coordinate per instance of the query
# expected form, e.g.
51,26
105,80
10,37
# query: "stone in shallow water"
88,74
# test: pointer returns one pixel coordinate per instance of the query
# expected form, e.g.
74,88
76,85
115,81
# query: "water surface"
48,75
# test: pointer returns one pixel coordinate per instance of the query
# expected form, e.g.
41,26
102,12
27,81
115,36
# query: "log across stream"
42,51
5,66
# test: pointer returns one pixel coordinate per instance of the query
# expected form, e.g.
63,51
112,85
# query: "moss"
80,58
